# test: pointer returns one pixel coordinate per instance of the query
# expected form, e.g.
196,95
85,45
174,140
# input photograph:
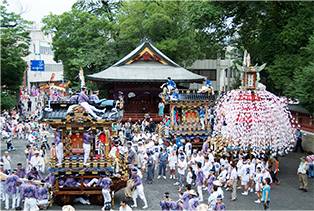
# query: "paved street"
286,196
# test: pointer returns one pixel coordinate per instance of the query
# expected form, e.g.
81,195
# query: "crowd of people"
26,181
154,158
204,171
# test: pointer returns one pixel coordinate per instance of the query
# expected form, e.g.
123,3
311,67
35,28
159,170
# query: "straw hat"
217,183
192,192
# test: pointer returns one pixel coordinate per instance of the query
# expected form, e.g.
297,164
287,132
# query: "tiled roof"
145,71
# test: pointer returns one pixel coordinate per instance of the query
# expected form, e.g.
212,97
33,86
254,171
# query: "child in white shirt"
172,161
222,177
258,179
189,176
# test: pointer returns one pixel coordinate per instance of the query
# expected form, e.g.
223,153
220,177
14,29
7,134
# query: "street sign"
37,65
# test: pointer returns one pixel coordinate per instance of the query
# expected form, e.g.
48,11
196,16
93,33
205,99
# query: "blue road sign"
37,65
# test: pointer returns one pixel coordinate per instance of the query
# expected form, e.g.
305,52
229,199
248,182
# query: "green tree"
274,33
8,100
96,33
301,86
81,39
166,23
211,24
14,46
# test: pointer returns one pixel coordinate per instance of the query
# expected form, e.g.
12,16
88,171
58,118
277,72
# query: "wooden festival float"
185,116
72,126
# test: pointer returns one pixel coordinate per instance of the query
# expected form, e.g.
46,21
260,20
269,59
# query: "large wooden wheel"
97,199
63,200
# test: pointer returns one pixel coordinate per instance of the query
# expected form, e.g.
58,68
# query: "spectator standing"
162,159
29,105
124,206
266,194
6,159
303,167
298,135
234,181
172,164
161,107
150,167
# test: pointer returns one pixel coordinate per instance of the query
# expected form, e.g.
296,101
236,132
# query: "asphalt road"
285,196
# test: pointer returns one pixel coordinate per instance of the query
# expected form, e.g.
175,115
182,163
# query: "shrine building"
139,76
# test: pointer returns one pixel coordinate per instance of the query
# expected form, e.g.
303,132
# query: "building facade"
139,75
41,49
219,71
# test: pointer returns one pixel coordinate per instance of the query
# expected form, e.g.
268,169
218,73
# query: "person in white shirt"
188,149
37,162
223,161
303,167
182,166
258,179
259,164
189,176
222,177
142,156
245,177
217,166
234,181
252,165
211,157
200,158
172,161
124,206
266,174
6,159
207,167
212,199
240,163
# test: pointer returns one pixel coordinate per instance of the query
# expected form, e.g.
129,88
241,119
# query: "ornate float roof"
78,117
145,64
187,98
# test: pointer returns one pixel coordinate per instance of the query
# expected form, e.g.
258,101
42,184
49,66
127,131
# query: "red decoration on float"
103,138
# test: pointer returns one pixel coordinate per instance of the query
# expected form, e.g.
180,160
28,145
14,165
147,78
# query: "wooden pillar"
57,184
107,144
206,113
65,148
93,144
171,115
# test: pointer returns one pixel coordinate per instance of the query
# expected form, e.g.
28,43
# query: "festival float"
189,114
74,126
251,118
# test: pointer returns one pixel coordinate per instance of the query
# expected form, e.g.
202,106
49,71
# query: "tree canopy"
276,33
14,46
95,34
81,39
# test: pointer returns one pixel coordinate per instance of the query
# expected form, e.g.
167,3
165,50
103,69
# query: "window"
211,74
45,50
231,73
53,67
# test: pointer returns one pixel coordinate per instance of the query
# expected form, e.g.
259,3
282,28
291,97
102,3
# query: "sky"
35,10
